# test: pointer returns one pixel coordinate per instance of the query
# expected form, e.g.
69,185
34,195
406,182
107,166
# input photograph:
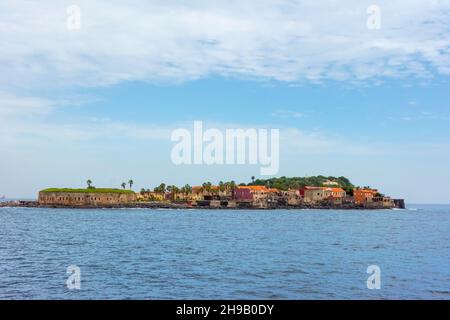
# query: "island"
317,192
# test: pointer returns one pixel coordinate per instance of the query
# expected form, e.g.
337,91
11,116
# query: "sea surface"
203,254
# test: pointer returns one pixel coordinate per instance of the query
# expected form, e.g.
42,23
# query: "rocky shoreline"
169,205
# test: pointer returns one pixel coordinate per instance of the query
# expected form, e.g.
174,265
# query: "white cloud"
178,41
19,131
26,122
13,106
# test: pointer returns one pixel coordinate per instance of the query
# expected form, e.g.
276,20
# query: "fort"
85,197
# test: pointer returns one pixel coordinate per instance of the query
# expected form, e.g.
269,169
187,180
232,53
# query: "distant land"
319,192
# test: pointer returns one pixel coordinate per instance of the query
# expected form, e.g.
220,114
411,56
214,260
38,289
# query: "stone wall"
85,199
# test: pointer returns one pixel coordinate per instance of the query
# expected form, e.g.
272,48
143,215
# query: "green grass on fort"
99,190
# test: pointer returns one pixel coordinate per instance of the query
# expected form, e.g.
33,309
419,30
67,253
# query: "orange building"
334,192
363,196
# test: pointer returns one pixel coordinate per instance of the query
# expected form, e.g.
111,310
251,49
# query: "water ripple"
193,254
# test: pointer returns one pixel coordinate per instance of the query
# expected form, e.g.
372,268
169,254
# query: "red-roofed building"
260,196
363,196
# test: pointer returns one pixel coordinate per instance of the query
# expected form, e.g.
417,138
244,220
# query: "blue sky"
101,102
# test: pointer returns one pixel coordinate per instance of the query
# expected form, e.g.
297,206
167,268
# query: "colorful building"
260,196
150,196
318,194
363,196
334,193
243,194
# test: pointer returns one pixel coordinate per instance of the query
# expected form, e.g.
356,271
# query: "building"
334,193
318,194
86,197
364,196
150,196
290,198
330,183
259,196
312,194
381,201
212,193
243,194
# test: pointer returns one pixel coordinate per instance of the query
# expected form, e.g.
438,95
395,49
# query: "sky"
99,100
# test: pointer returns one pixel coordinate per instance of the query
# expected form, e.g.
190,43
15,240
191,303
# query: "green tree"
207,186
130,183
187,189
89,183
162,188
173,190
124,185
286,183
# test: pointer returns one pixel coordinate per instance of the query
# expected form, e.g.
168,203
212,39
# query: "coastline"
186,206
320,192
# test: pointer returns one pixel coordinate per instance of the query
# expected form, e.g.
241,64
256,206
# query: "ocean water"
196,254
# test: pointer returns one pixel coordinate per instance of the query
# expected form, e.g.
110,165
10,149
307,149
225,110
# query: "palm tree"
253,179
130,182
175,191
187,189
89,183
161,189
124,185
207,186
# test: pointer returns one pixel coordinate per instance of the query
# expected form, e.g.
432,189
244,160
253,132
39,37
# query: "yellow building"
150,196
318,194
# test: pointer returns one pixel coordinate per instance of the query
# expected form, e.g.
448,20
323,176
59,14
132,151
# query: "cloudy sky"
100,101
